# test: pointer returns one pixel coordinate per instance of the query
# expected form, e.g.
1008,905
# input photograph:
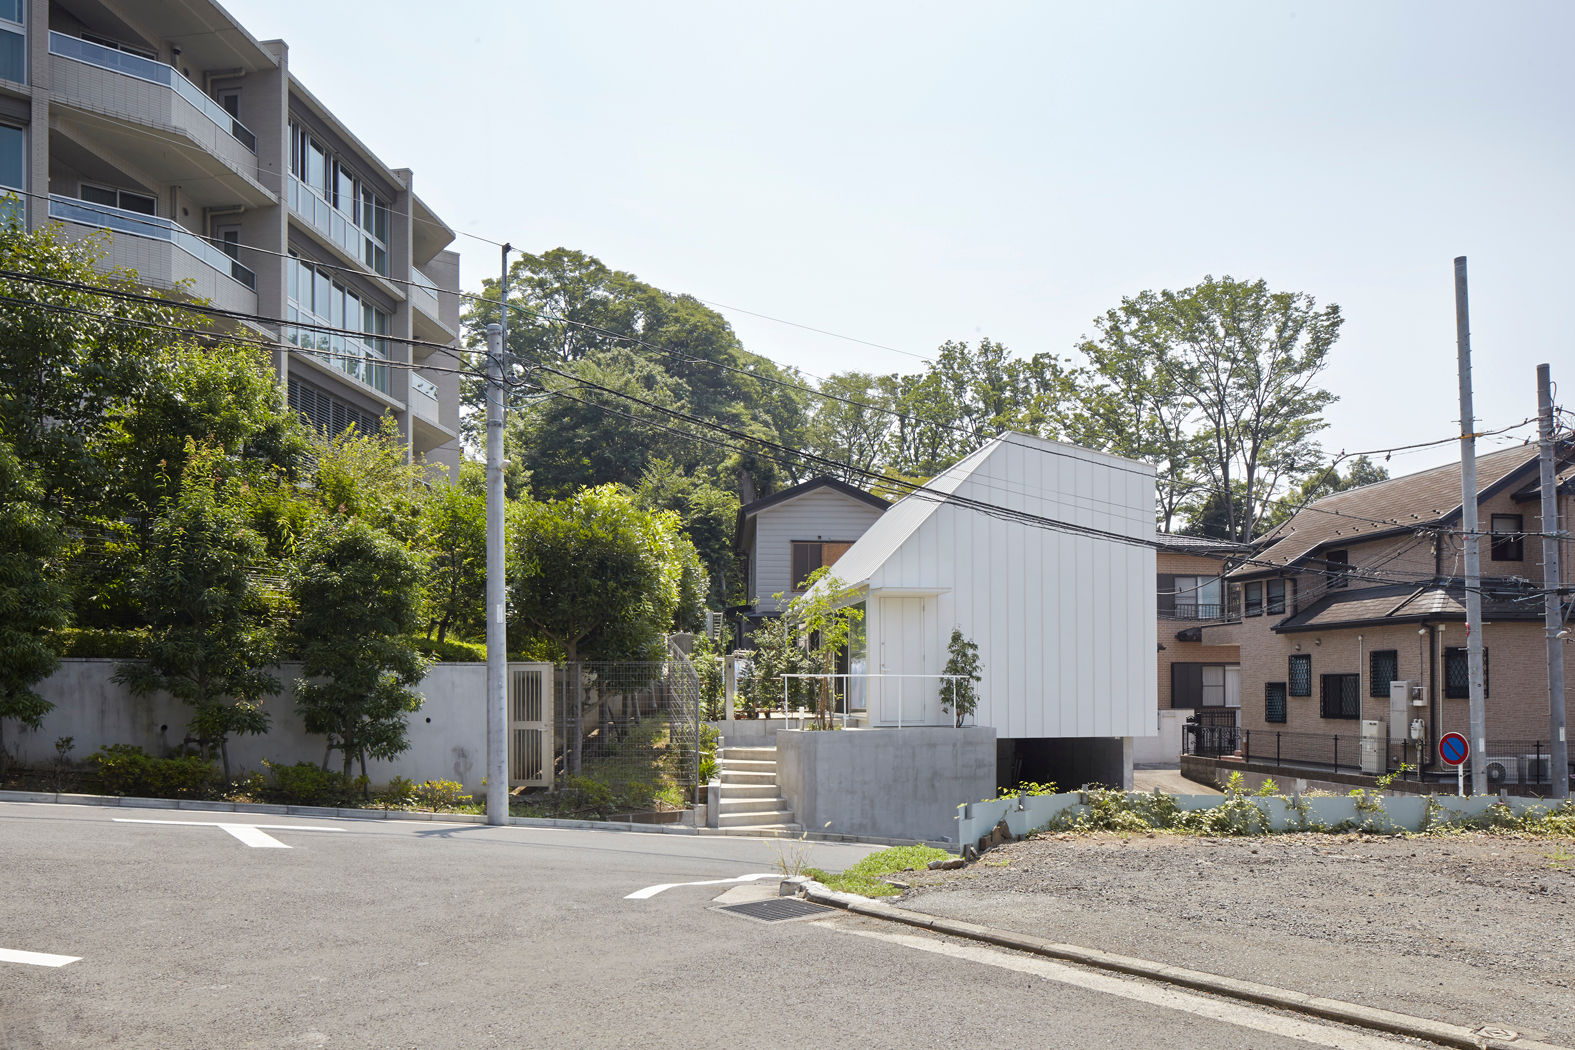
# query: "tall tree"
850,424
359,596
454,541
33,601
596,577
213,639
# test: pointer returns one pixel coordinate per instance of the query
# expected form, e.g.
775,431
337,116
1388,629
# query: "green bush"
305,784
400,792
91,643
126,770
449,650
866,876
440,795
582,794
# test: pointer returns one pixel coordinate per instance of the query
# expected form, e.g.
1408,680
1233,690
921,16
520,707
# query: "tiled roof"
1408,603
1425,498
1179,544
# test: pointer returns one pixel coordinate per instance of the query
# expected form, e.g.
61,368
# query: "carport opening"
1069,762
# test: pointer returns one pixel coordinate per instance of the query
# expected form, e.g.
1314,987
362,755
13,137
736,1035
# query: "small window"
1274,596
1457,674
809,555
1274,702
1341,696
1252,596
1384,668
1509,543
1339,566
1300,674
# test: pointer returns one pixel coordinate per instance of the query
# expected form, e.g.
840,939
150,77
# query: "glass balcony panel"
136,224
153,72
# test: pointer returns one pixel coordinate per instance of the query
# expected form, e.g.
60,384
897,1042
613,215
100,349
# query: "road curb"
50,797
1440,1032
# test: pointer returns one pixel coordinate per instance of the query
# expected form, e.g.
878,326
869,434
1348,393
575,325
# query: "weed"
864,878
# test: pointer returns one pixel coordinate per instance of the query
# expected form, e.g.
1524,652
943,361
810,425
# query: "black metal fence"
1510,763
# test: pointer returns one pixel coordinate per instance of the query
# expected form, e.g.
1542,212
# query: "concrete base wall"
448,736
885,783
1164,749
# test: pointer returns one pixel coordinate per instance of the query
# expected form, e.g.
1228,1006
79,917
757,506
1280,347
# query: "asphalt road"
393,934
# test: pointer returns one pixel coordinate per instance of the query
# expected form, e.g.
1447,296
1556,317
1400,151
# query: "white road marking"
36,958
254,835
651,891
1258,1020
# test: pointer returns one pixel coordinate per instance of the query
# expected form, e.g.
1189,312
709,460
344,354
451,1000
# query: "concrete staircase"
750,799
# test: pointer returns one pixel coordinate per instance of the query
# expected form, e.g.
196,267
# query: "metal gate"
530,725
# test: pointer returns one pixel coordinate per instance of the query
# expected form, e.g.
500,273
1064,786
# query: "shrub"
401,791
582,794
90,643
450,650
305,784
441,795
127,770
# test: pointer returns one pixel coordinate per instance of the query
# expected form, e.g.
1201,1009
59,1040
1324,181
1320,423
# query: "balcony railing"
334,224
424,399
136,224
424,293
155,73
1194,611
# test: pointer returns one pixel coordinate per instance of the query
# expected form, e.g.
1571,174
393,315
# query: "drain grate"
777,909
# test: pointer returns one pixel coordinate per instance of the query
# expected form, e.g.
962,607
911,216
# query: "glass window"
1253,598
1508,543
317,168
322,292
1339,565
368,210
13,56
1274,701
1274,596
1341,696
1300,674
100,195
1384,668
138,202
11,11
1457,674
344,189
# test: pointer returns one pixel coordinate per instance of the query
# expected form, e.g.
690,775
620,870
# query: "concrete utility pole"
497,639
1551,581
1469,529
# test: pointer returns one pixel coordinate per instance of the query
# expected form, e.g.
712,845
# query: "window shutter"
1167,594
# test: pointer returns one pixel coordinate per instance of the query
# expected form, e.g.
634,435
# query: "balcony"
126,104
424,399
1193,611
428,316
427,430
340,229
164,253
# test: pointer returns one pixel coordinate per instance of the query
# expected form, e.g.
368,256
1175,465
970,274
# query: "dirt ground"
1474,929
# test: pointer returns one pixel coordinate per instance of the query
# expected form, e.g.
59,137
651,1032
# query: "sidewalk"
1472,930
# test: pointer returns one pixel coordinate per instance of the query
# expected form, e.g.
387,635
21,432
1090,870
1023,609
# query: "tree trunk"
224,756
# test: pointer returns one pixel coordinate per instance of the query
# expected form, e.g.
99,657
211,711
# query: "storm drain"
777,909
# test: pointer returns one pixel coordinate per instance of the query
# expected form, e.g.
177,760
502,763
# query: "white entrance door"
906,652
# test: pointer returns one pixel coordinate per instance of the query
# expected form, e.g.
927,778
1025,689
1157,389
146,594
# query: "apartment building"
214,170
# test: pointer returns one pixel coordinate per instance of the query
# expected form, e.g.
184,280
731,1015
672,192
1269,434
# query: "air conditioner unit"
1536,769
1501,769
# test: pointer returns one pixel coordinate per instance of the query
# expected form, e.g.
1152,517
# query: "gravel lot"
1473,929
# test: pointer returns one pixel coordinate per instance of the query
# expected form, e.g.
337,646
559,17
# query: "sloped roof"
1429,497
1177,543
1408,603
893,528
824,481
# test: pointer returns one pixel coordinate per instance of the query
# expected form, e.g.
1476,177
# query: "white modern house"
1042,554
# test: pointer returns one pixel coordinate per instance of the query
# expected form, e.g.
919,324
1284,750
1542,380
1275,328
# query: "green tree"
709,514
453,539
960,695
359,596
850,424
825,619
212,636
598,578
1325,482
367,476
32,600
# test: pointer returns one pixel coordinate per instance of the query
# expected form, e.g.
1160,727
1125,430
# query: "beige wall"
1186,652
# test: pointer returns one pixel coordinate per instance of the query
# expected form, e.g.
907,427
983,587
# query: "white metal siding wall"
822,514
1065,624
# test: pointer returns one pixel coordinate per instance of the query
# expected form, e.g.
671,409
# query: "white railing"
334,224
424,398
155,73
423,294
855,696
137,224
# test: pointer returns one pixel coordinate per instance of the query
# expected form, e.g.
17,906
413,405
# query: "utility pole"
1469,529
1552,617
497,635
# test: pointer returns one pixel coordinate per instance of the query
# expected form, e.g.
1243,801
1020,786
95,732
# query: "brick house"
1196,679
1363,588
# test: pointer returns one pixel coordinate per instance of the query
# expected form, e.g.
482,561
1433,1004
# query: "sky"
901,174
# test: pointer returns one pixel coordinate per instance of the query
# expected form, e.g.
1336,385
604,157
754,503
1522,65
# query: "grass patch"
864,878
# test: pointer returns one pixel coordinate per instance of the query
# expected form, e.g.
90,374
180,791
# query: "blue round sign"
1453,749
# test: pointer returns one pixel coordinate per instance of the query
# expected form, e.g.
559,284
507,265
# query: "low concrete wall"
448,736
886,783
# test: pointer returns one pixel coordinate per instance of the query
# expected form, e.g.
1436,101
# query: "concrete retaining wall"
887,783
448,736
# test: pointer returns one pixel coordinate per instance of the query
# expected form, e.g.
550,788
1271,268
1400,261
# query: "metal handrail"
847,707
154,72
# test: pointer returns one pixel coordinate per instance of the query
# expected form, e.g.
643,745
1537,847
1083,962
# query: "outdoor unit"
713,625
1536,769
1399,713
1502,769
1374,754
